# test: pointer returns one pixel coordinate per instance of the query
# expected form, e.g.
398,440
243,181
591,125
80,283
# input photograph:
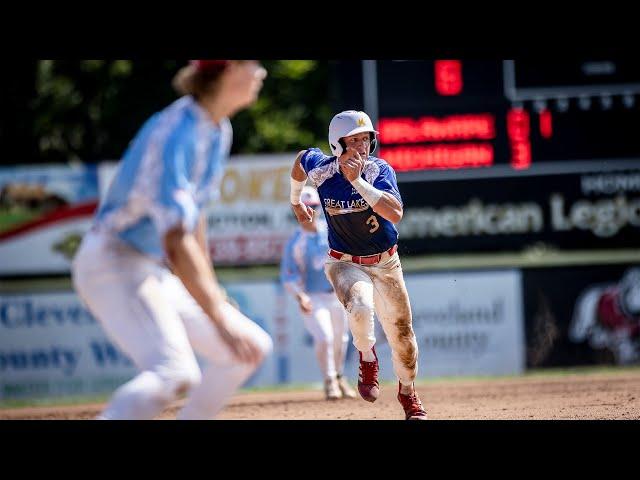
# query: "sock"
406,389
368,356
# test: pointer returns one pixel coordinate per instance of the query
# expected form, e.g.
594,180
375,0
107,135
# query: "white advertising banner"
51,345
252,219
44,212
468,323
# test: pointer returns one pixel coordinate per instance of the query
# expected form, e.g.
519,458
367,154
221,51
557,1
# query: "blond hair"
198,83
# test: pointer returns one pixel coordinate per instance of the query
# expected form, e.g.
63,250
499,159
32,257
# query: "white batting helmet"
310,196
349,123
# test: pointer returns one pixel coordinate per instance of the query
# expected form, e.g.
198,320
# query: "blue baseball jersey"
170,171
303,259
354,227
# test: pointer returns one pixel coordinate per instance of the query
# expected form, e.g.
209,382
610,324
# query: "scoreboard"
515,114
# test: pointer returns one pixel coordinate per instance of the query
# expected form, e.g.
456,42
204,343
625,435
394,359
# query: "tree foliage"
89,110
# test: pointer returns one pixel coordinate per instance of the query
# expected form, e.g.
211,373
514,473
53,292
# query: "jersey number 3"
373,221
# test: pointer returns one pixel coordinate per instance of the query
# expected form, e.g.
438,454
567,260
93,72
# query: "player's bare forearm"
389,208
190,265
201,236
297,172
304,301
292,288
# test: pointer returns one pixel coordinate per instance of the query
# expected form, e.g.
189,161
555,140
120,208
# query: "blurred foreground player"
144,269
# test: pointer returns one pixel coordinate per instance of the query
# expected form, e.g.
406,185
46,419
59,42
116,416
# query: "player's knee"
405,342
180,381
359,311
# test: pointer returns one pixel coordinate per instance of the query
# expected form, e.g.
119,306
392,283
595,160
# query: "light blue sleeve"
290,274
311,158
218,157
174,203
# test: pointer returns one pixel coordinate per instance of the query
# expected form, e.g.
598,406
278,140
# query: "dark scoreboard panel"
570,77
462,114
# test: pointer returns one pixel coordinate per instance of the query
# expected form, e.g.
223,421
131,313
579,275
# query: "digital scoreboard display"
469,114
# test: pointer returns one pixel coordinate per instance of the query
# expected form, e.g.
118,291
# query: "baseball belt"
363,259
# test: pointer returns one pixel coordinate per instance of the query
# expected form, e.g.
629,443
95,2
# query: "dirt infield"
606,396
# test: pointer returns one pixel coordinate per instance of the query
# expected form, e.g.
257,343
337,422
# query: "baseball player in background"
144,269
302,274
361,203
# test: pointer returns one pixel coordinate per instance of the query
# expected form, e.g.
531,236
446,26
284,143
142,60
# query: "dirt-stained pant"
363,289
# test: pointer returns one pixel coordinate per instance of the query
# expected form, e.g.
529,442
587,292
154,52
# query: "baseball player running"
361,203
144,269
302,274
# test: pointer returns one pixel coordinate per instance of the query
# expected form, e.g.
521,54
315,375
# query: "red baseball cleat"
368,385
412,406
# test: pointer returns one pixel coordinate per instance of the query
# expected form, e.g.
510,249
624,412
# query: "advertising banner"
252,219
44,212
582,315
510,213
51,345
466,323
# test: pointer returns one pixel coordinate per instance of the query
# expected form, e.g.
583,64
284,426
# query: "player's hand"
239,342
305,303
351,163
303,213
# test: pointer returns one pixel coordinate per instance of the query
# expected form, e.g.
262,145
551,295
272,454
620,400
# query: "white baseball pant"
151,316
327,324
